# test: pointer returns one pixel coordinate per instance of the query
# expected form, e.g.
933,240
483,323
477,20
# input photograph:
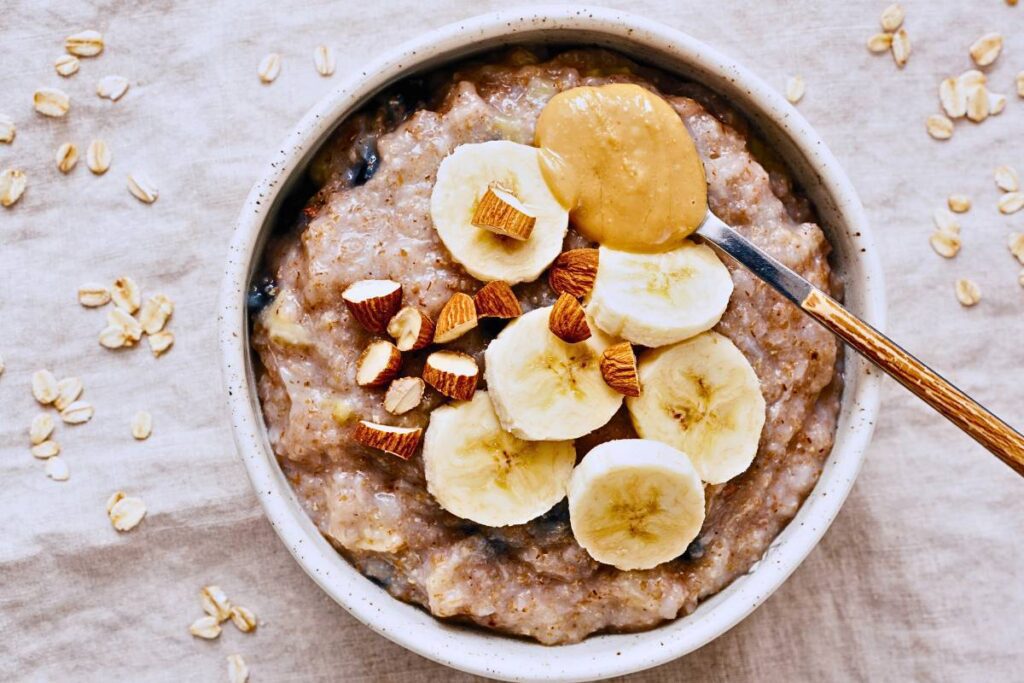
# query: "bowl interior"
854,260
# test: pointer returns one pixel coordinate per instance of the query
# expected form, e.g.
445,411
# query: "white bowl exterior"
601,656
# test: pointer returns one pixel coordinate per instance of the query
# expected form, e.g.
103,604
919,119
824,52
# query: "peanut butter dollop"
619,157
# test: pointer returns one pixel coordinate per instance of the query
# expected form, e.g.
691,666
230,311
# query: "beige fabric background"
919,578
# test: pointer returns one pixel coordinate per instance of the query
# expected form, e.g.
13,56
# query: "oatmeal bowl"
495,397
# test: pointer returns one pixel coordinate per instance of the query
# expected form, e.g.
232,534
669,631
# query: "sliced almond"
93,295
573,272
126,294
215,602
126,513
67,157
1015,243
411,328
142,188
497,300
97,157
568,321
892,17
155,312
68,391
1011,202
986,49
959,203
238,670
118,317
499,211
12,186
452,374
404,394
323,59
57,469
40,429
270,67
945,244
400,441
968,293
112,87
939,127
142,425
977,104
66,65
84,43
160,342
77,413
618,368
7,129
205,627
243,619
1006,178
46,449
378,364
44,387
953,97
456,318
51,102
373,302
880,42
901,47
795,89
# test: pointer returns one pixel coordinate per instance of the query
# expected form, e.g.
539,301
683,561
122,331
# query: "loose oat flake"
1006,178
967,292
46,449
880,42
1016,245
44,387
205,627
892,17
1011,202
160,342
238,671
985,50
1020,87
243,619
795,89
57,469
77,413
996,104
67,157
51,102
323,59
7,129
66,65
270,67
215,602
113,337
84,44
939,127
959,203
126,294
40,429
118,317
945,244
901,47
112,87
142,425
142,188
125,512
953,97
155,313
93,295
68,391
97,157
12,186
977,104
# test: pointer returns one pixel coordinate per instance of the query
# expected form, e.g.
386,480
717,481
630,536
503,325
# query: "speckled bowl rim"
489,654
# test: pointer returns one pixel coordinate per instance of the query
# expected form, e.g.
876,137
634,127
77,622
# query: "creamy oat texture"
370,219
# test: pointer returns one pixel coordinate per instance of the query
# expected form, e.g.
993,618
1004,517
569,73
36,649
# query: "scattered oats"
901,47
51,102
270,67
118,317
93,295
77,413
1020,92
142,188
57,469
892,17
68,391
205,627
1006,179
113,337
939,127
97,157
126,512
40,429
1011,202
238,671
996,104
12,186
1016,245
795,88
945,244
959,203
44,386
977,104
971,78
160,342
946,221
215,603
66,65
953,97
323,58
985,50
967,292
126,294
7,129
880,42
142,425
243,619
112,87
46,449
67,157
155,313
84,44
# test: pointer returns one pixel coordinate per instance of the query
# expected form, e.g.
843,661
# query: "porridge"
446,352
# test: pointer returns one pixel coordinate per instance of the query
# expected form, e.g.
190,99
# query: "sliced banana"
480,472
659,299
635,503
464,178
543,388
702,397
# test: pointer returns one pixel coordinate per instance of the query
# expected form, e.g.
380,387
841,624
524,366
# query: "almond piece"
411,328
456,319
373,302
400,441
500,212
452,373
497,300
568,322
378,364
574,272
404,394
618,368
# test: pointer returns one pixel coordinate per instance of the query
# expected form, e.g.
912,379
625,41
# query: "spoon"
998,437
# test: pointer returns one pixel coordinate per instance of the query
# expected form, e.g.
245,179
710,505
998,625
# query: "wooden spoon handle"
959,408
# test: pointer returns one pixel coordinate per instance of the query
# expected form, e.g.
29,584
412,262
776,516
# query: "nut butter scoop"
621,159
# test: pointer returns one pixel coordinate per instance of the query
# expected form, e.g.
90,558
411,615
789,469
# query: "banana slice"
545,389
659,299
702,397
463,178
480,472
635,503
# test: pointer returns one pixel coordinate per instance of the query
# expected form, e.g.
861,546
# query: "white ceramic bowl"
842,217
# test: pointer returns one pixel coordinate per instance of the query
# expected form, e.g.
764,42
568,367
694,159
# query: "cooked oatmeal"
370,219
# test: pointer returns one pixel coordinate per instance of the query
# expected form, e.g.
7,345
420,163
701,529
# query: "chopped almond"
452,374
500,212
574,272
404,394
411,328
378,364
400,441
456,319
568,322
618,367
497,300
373,303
